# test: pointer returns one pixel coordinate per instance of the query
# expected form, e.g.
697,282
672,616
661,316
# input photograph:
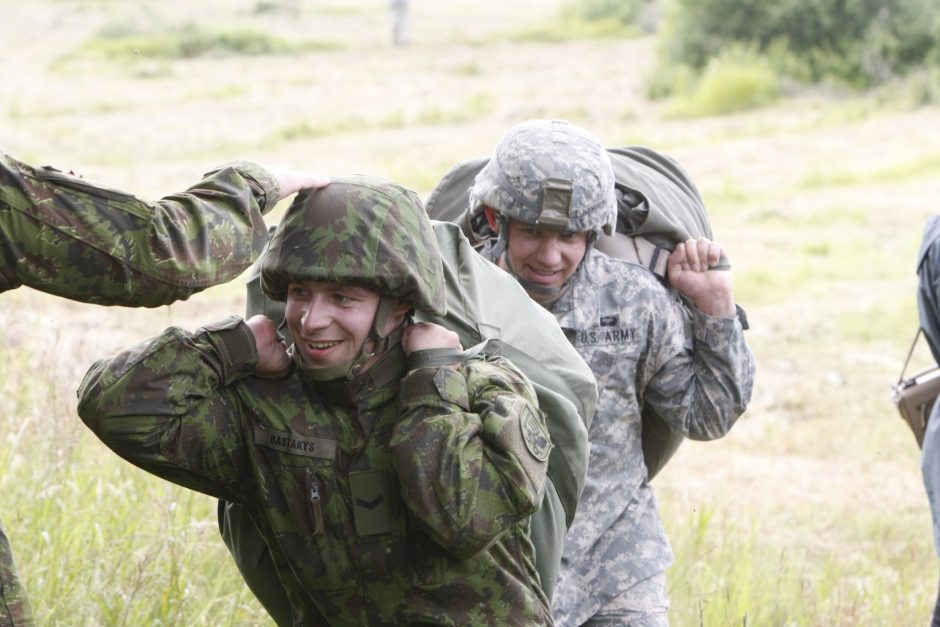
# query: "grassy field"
810,512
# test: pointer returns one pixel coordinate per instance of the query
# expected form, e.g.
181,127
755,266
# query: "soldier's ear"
491,218
400,311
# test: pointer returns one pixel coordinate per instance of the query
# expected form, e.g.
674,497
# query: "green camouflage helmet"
551,174
361,231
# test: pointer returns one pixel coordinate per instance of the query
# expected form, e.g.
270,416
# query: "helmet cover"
362,231
551,174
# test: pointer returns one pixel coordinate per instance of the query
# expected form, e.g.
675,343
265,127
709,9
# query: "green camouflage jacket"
72,238
66,236
14,605
402,500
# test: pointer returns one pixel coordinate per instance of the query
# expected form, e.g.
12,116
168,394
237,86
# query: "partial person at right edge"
928,307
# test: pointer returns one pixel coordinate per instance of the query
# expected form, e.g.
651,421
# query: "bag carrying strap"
437,357
920,331
635,249
641,251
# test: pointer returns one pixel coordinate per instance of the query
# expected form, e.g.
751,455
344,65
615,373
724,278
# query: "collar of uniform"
379,384
579,306
373,388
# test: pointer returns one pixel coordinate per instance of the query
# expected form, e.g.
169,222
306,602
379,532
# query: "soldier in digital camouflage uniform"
66,236
549,191
928,308
391,475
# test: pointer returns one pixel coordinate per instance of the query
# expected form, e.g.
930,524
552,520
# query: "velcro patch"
535,434
320,448
370,502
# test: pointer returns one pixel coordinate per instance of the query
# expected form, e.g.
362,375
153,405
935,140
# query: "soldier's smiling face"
546,258
329,322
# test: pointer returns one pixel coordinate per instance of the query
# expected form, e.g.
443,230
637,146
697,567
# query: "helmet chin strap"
375,344
531,286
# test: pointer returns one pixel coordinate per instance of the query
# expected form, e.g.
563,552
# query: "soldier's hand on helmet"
688,271
425,335
292,181
273,360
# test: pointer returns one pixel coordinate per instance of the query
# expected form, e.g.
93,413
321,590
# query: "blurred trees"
858,42
719,56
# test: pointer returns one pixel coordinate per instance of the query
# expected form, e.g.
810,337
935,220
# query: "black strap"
920,331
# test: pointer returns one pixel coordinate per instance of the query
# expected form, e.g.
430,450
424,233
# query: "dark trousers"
935,621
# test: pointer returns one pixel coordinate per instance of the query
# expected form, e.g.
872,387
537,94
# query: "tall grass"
97,541
729,572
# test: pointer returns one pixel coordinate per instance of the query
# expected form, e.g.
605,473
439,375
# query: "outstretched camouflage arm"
472,450
162,406
63,235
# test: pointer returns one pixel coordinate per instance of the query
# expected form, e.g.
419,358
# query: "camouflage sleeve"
15,608
164,405
472,449
704,390
66,236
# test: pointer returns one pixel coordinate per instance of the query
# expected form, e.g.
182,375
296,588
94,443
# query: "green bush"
737,80
734,82
859,42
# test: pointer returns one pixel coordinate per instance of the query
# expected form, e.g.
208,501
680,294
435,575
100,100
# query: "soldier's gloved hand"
425,335
273,360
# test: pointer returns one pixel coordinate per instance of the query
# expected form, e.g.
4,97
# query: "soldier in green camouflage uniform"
548,192
392,483
66,236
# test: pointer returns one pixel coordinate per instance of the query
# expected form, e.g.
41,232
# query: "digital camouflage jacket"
401,499
647,350
67,236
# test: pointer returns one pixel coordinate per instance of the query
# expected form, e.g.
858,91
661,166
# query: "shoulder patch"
535,434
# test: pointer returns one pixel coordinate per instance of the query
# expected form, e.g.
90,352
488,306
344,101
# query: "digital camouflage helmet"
550,174
361,231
